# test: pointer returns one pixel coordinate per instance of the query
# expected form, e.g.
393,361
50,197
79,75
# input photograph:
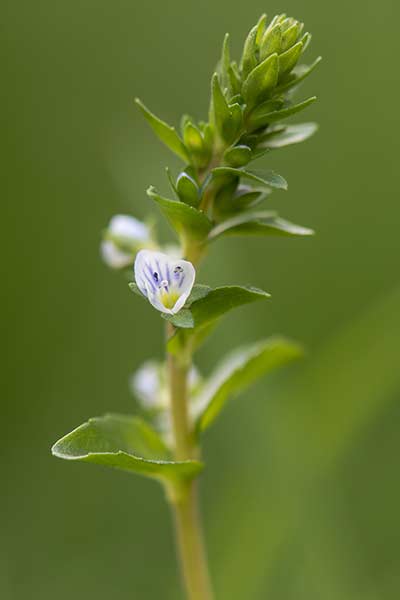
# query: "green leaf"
234,79
238,156
238,371
291,134
249,60
290,35
249,197
187,190
182,319
214,304
305,40
298,75
257,120
288,59
171,180
262,21
198,291
224,64
261,223
134,288
165,132
261,81
236,120
184,218
192,137
195,144
267,178
124,442
220,113
271,42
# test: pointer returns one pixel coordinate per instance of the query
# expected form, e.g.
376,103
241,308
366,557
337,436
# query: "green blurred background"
301,496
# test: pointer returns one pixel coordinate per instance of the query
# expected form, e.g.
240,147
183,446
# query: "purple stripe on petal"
159,270
182,280
150,278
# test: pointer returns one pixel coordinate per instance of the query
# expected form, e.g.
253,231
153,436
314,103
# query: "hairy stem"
183,497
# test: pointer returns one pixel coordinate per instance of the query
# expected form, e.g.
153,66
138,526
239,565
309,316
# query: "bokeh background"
301,495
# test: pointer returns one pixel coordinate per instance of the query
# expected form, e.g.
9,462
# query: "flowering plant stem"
191,548
183,496
215,195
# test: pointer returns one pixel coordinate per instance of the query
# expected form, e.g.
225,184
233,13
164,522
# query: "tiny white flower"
124,235
150,385
165,281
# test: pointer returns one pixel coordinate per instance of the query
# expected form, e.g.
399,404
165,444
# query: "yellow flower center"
169,298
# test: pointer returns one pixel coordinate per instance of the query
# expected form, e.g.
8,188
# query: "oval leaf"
288,59
262,223
258,120
238,371
182,217
123,442
291,134
164,132
187,189
267,178
214,304
261,81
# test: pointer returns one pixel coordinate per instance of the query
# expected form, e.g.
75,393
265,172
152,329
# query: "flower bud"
123,237
282,38
149,384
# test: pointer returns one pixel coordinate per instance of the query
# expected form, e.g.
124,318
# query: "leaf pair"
129,444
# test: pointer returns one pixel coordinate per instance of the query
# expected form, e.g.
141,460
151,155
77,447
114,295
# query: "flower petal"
128,227
165,281
122,238
113,256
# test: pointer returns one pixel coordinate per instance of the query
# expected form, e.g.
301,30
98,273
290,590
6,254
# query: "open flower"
122,239
165,281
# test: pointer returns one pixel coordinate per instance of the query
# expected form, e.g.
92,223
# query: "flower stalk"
184,497
214,195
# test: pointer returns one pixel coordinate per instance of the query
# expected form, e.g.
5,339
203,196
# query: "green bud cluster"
249,101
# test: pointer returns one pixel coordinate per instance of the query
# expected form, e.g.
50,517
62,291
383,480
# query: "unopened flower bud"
123,237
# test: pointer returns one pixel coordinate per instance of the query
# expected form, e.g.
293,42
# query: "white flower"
123,237
150,385
164,281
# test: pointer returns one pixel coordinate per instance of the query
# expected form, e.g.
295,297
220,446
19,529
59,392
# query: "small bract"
165,281
123,237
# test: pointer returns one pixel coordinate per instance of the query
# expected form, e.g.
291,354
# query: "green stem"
191,547
183,496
